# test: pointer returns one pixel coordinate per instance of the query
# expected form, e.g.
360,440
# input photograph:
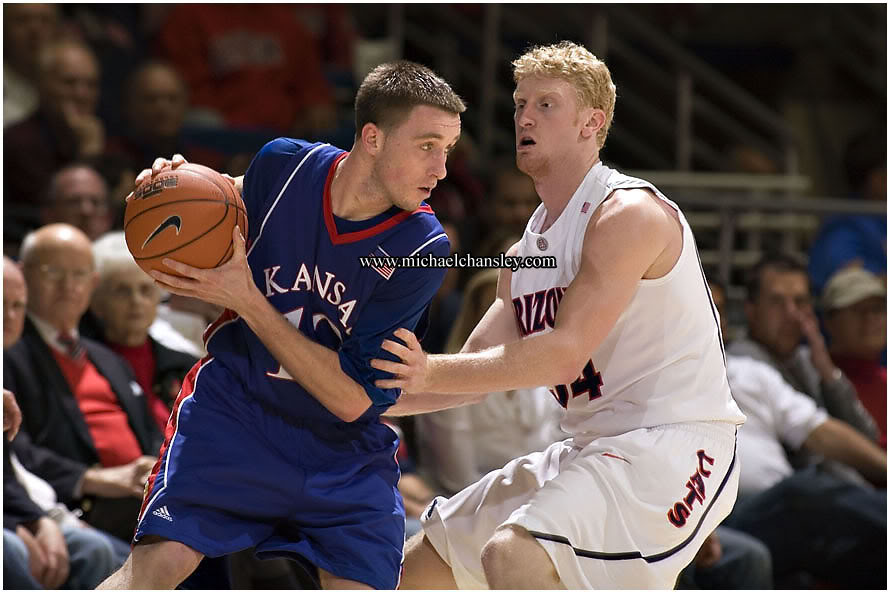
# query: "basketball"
186,214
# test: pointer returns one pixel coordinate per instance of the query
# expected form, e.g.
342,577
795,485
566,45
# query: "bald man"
77,397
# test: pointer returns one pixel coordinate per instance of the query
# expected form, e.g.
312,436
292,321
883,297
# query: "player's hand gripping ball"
186,214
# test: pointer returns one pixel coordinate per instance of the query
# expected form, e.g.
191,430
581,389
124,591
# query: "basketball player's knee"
501,553
162,563
512,557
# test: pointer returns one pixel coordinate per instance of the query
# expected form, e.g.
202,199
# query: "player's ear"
594,120
372,138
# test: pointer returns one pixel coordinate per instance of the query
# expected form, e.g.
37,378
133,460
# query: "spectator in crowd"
155,100
513,199
780,315
855,306
27,29
334,31
859,239
249,66
78,398
729,559
62,130
125,303
15,301
121,35
811,521
41,535
77,195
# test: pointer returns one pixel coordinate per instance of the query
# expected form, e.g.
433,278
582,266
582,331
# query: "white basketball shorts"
620,512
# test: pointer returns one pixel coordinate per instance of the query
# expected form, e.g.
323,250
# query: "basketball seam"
186,244
229,191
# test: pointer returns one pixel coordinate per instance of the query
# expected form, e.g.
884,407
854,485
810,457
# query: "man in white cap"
855,305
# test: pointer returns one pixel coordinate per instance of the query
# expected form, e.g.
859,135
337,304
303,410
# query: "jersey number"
589,381
295,317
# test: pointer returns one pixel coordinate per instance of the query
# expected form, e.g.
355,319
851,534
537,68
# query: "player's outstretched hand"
410,375
229,285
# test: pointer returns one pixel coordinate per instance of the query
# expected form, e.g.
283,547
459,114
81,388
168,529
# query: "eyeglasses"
56,274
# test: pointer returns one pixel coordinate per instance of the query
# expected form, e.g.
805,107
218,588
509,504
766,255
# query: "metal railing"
736,216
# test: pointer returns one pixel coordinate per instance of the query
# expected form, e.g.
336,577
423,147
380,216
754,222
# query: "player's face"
15,299
772,318
547,123
126,302
60,281
412,160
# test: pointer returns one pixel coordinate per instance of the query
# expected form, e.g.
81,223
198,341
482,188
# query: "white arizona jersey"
663,362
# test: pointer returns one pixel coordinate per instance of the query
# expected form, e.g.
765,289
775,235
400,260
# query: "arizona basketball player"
625,332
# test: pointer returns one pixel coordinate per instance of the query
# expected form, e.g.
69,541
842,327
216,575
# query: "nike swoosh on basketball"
174,221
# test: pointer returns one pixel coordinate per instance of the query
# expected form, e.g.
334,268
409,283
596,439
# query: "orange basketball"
186,214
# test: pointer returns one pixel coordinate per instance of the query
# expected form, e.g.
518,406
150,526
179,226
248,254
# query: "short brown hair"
391,90
577,66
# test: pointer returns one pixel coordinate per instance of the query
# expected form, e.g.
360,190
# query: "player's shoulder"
420,232
630,208
291,152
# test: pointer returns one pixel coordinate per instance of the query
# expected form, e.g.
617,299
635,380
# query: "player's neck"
351,196
559,183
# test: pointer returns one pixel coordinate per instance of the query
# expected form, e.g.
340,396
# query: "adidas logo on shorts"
163,513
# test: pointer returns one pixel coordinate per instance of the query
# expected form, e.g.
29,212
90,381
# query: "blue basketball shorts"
231,475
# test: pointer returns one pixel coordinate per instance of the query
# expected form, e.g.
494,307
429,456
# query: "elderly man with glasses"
77,397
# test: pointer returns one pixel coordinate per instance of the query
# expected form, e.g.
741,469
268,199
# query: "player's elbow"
567,367
353,409
348,414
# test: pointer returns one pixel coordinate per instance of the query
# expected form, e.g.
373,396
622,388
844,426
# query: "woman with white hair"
125,302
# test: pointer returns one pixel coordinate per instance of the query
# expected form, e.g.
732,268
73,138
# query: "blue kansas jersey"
306,261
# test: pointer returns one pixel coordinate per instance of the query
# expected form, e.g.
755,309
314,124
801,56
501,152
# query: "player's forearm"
839,441
549,359
410,404
312,365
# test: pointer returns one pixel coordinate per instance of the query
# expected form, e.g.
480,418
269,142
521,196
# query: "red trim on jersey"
341,238
226,316
188,388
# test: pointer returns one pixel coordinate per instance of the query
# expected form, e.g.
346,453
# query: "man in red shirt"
855,304
78,398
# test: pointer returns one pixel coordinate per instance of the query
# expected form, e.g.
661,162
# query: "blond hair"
577,66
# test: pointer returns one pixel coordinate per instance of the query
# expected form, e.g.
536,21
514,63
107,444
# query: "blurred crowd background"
765,123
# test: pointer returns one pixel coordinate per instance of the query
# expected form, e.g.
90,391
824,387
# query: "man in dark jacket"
78,398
